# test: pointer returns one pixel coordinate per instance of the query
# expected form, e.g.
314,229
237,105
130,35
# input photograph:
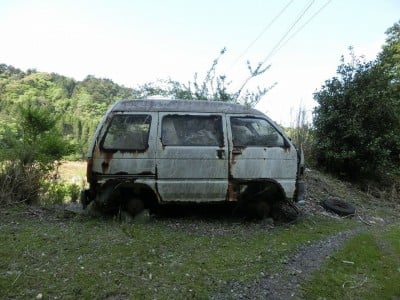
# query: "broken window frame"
201,133
143,120
252,137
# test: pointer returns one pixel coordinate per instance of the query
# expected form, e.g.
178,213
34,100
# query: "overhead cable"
262,32
288,31
302,26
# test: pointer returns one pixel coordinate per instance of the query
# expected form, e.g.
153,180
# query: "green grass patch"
82,257
367,267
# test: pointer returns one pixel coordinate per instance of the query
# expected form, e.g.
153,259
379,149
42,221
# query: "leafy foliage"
35,139
81,104
77,105
301,133
27,154
59,192
214,87
358,117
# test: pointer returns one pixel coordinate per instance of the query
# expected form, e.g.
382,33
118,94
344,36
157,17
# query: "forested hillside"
78,104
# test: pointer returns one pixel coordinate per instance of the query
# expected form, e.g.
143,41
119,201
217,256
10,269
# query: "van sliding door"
192,157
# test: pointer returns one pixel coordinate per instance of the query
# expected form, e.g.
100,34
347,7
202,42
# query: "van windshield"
127,132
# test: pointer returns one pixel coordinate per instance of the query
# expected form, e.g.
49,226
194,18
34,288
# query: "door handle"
236,151
221,153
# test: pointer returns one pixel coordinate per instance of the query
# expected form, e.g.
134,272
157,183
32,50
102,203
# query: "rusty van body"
146,153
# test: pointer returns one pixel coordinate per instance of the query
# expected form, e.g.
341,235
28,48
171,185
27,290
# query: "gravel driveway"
298,268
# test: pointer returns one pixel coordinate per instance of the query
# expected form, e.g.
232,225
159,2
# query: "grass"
69,257
54,254
72,169
367,267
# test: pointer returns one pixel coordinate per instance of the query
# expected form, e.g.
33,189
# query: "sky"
133,42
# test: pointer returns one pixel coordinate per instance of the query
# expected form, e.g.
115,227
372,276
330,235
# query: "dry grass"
72,169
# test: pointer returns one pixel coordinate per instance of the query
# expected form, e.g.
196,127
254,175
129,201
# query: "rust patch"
234,153
104,166
232,193
106,163
89,167
134,152
96,151
232,161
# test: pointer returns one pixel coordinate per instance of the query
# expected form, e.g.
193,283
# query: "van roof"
182,106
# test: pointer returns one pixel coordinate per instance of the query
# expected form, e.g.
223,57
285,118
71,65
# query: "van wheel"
285,211
134,206
262,209
84,198
259,209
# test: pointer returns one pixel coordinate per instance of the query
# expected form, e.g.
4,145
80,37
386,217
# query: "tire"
338,206
260,209
134,206
84,198
285,212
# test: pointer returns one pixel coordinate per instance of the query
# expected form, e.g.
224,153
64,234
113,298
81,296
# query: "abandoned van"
146,153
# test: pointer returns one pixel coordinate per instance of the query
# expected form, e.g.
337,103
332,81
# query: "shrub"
28,150
301,133
59,192
357,122
19,183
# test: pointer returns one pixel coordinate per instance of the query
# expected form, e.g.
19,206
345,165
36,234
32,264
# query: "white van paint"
150,152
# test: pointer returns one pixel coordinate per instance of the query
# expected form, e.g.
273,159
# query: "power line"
262,32
282,42
302,26
307,7
260,69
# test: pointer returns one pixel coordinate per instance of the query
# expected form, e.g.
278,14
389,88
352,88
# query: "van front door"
192,157
259,152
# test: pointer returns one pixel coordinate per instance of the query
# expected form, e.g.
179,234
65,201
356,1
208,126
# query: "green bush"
28,151
357,122
59,192
301,133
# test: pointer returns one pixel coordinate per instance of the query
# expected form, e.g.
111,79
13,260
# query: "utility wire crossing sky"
134,42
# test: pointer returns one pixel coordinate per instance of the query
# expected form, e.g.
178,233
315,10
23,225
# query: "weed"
368,267
58,192
87,258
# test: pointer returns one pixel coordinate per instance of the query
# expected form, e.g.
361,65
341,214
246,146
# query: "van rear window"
192,130
127,132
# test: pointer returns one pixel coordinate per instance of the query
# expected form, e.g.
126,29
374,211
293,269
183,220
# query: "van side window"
190,130
127,132
254,132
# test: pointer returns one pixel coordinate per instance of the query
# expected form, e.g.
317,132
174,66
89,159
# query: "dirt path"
298,267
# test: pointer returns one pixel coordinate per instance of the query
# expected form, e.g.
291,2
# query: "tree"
213,87
357,122
28,151
389,58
